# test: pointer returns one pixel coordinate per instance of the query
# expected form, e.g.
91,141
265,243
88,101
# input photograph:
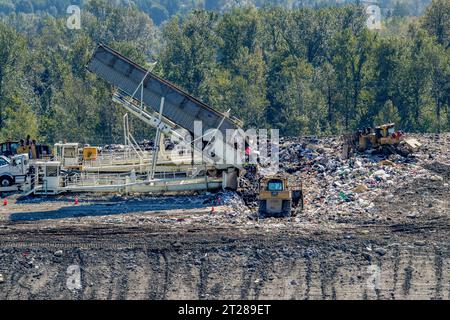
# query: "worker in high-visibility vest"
33,150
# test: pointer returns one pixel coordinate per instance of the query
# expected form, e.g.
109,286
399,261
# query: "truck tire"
286,208
6,181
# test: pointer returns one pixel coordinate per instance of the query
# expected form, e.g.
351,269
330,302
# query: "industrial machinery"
69,155
48,178
10,149
278,198
382,139
90,153
208,164
13,172
172,112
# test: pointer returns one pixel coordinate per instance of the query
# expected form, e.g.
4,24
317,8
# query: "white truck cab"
14,171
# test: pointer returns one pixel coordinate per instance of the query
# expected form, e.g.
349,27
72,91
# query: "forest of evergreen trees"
302,70
161,10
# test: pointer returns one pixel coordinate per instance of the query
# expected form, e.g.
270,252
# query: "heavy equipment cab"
9,149
275,185
69,155
277,198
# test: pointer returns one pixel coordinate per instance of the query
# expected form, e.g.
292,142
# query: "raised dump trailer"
165,107
180,107
171,103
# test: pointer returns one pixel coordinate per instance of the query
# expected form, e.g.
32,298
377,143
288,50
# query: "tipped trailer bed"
171,109
180,107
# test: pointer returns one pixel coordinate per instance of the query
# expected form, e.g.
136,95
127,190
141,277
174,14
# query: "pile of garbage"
340,189
234,202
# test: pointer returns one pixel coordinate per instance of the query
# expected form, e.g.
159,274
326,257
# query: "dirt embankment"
150,265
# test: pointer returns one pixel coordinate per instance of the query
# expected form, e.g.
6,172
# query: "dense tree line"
302,70
162,10
313,70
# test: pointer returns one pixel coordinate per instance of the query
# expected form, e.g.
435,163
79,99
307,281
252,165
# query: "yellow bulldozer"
278,197
382,139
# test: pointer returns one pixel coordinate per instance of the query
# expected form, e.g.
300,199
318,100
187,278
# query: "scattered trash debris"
380,251
340,188
58,253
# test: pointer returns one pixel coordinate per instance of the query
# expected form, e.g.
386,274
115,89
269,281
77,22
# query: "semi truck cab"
14,171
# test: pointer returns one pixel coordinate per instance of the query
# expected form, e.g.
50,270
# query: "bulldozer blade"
412,143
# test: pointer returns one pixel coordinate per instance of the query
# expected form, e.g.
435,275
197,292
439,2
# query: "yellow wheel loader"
277,198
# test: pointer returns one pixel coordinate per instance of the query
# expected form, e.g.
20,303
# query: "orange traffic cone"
5,202
76,200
